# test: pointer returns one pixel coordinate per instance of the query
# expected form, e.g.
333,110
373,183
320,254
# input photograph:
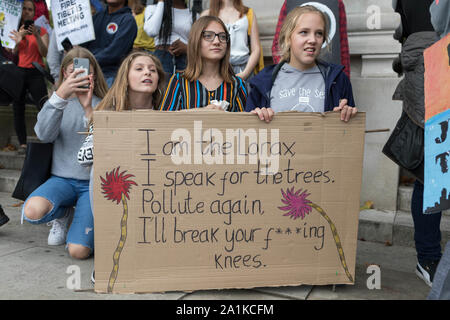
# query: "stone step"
394,228
15,141
11,160
8,179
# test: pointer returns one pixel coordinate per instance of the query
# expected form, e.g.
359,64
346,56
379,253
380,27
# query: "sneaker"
93,276
58,232
426,271
3,217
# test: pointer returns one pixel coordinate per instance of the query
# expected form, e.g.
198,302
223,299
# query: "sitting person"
318,86
208,75
139,85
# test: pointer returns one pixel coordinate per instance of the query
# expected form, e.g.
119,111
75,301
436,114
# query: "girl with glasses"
208,76
246,51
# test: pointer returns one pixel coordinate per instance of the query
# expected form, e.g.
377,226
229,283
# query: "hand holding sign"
347,112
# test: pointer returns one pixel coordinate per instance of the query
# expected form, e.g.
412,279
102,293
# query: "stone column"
371,25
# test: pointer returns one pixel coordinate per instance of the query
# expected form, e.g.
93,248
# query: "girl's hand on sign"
214,107
347,112
264,114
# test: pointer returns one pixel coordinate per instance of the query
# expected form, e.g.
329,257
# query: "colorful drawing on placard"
116,187
298,206
436,197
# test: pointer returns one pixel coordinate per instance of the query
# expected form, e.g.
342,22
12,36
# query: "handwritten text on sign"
208,199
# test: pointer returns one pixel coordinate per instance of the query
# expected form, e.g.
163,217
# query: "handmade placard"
210,200
72,19
10,14
436,195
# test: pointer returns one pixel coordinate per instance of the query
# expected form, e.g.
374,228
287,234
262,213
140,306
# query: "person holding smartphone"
31,46
66,113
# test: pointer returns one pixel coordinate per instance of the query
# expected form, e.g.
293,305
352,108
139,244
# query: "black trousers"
34,82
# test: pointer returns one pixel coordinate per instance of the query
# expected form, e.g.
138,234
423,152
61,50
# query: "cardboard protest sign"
437,118
208,200
72,19
10,14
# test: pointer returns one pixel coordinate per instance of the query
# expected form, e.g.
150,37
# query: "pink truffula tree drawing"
298,206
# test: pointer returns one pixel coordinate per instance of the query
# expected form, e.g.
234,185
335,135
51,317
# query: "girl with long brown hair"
138,85
208,75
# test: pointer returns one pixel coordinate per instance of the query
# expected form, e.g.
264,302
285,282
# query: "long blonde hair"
100,86
194,59
117,97
289,26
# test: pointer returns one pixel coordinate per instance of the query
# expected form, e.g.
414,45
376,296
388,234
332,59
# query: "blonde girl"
313,85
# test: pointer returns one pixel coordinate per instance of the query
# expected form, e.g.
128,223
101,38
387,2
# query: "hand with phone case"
73,84
85,98
81,64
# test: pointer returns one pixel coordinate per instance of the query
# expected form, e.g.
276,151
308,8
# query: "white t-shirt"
239,48
296,90
181,23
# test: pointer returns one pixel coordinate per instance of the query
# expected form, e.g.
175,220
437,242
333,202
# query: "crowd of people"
164,55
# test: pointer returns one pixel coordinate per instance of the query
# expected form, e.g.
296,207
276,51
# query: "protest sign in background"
437,118
182,200
10,14
72,19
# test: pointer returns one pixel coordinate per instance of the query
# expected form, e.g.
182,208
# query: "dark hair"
166,26
197,8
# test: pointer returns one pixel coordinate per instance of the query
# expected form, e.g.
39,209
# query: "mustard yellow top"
142,40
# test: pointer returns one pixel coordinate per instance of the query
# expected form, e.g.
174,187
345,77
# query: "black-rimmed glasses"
211,35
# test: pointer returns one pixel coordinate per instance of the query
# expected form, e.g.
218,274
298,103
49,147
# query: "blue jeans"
63,193
169,62
427,232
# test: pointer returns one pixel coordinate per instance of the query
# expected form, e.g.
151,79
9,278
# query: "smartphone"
66,44
81,63
27,24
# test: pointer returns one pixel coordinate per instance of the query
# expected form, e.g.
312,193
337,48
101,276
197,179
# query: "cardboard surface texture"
183,201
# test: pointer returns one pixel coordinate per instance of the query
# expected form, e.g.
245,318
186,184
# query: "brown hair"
100,86
117,98
194,59
290,24
216,5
